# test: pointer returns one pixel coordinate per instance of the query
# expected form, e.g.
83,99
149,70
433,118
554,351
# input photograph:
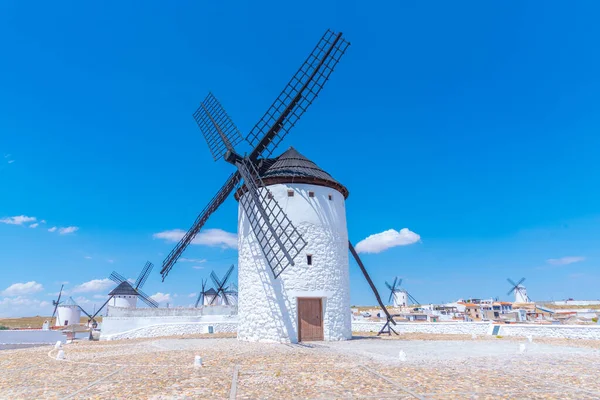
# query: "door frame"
298,315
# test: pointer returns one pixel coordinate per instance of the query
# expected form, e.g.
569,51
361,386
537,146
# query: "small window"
309,259
269,195
330,197
311,194
290,193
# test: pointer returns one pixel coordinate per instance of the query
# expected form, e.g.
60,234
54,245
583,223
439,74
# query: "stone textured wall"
485,328
117,325
267,306
552,331
172,329
170,312
478,328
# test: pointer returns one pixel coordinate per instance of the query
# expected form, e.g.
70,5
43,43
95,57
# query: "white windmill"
125,294
400,296
519,290
293,243
68,313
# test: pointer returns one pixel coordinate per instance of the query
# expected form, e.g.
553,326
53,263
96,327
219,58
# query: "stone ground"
435,367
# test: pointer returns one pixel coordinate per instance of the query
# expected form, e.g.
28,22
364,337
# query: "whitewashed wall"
172,329
552,331
170,312
112,326
485,328
479,328
267,306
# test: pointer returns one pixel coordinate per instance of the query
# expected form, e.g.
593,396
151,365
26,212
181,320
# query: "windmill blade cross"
279,239
297,96
521,281
511,282
212,206
141,280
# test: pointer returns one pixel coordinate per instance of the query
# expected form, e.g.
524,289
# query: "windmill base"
387,328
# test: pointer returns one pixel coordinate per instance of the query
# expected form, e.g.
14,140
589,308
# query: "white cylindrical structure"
267,306
68,313
521,295
125,301
400,298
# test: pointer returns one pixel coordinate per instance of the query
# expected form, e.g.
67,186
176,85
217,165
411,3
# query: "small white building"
311,299
124,295
68,313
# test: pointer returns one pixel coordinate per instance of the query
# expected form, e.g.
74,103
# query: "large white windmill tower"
292,235
313,296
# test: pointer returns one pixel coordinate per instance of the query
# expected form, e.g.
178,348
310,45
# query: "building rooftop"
123,289
291,166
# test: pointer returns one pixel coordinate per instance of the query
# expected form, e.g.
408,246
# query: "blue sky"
473,125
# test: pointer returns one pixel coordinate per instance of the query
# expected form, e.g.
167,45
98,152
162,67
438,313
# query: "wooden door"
310,319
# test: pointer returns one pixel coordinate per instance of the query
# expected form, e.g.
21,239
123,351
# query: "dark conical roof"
211,292
291,166
123,289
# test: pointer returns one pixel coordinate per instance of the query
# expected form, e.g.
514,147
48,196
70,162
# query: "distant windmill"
220,286
56,303
519,290
200,299
126,295
399,296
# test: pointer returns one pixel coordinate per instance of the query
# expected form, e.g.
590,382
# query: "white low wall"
478,328
30,337
551,331
171,312
173,329
130,328
574,303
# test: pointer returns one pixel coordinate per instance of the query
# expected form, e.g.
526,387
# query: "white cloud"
99,296
194,260
161,297
52,229
208,237
67,230
17,220
191,295
11,161
95,285
387,239
565,260
22,306
198,267
19,289
34,225
43,221
88,257
110,261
